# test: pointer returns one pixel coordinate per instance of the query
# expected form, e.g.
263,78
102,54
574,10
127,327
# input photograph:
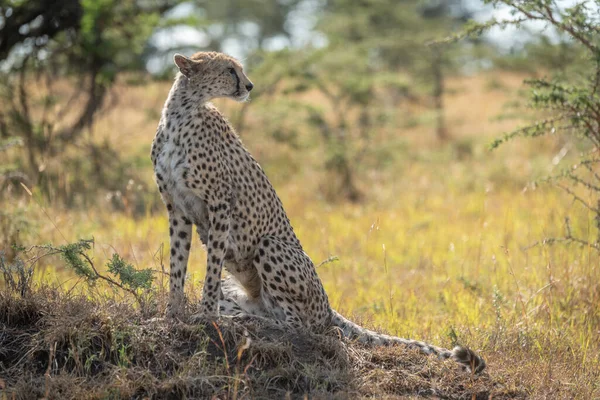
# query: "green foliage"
115,33
74,254
390,35
84,43
570,100
376,50
18,275
128,275
128,278
268,18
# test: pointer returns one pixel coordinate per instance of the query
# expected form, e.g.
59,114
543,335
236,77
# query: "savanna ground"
447,245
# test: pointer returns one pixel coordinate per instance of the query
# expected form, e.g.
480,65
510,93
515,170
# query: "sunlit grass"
419,266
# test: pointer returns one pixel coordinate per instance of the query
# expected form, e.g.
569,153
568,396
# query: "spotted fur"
207,178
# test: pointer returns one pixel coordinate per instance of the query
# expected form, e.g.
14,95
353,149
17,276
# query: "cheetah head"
216,74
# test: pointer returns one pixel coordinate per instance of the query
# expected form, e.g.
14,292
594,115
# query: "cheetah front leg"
180,233
216,246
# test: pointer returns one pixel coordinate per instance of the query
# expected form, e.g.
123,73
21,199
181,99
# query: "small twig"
568,238
587,165
550,17
224,349
35,259
584,183
579,199
328,260
568,227
240,352
47,375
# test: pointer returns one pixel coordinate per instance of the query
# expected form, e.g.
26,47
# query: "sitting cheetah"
207,178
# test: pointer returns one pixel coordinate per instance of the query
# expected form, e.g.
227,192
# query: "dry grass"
438,251
59,346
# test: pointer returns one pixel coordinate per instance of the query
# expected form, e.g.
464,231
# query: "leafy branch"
570,103
124,275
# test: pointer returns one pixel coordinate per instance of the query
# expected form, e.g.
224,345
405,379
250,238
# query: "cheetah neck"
184,96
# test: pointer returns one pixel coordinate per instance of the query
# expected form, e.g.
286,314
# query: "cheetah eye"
232,72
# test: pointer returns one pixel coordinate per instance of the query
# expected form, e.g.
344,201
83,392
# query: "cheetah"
207,178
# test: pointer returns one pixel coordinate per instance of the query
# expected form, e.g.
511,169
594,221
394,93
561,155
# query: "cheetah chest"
170,168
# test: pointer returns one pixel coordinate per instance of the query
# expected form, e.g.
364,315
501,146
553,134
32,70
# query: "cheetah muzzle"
208,179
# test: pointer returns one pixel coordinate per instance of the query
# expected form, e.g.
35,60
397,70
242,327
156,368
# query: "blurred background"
373,123
348,89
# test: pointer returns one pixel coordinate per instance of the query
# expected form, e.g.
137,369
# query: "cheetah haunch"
208,179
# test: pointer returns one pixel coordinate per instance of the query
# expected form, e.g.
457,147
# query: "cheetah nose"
249,86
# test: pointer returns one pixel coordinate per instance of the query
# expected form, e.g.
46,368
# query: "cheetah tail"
470,360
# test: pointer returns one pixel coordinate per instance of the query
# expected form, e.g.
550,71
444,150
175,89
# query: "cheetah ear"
186,66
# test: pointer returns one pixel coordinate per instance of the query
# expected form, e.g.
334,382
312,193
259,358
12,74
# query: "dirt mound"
62,346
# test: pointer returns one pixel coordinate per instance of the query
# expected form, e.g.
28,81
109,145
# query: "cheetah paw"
203,317
205,314
173,312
